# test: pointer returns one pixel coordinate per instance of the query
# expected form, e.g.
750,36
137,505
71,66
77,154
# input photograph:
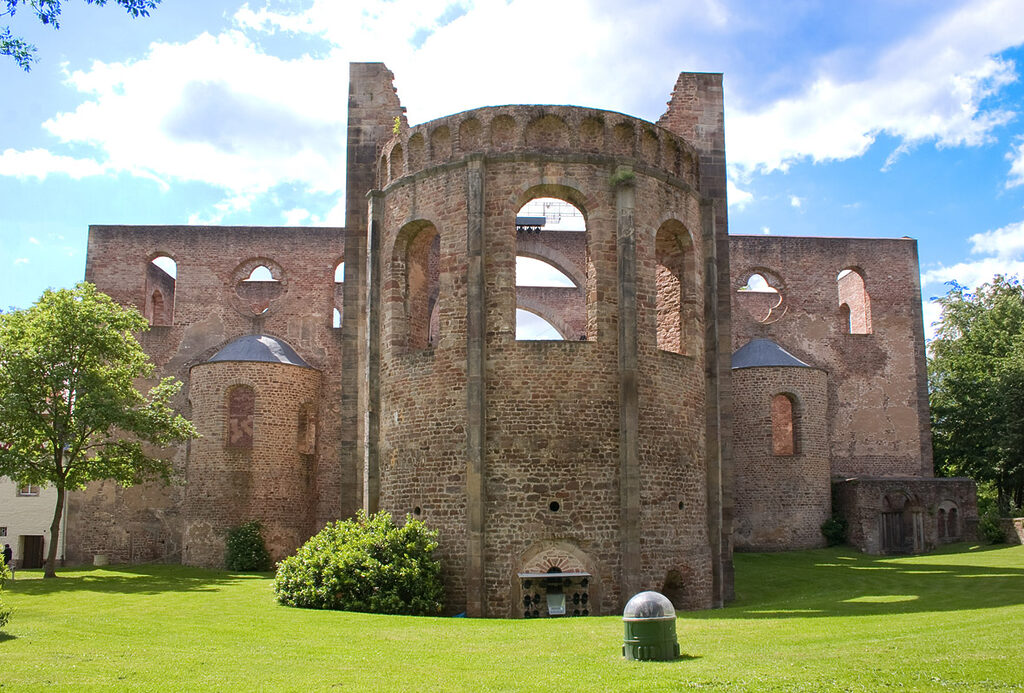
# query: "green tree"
48,12
70,412
976,383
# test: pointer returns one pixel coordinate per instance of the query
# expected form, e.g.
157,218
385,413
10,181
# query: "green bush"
246,550
834,530
5,611
367,564
990,528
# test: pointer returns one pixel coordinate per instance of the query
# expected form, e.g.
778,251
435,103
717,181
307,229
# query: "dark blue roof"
259,347
764,352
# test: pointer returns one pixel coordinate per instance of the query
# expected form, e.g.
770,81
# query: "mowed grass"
814,620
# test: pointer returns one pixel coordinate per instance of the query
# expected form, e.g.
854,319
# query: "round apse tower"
254,404
583,456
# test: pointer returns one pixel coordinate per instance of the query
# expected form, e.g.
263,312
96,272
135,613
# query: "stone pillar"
713,449
696,112
371,483
476,329
629,409
372,108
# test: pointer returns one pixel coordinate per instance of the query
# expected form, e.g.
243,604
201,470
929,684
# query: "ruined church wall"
781,497
877,410
552,416
266,476
144,523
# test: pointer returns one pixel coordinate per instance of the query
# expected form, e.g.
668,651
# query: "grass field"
814,620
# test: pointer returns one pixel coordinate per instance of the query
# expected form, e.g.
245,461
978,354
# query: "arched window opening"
241,408
306,439
161,277
759,285
553,270
942,523
854,302
783,430
761,298
530,326
260,273
258,283
416,269
676,294
339,293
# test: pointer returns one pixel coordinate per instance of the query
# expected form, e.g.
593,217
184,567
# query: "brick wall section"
552,410
877,402
781,500
208,313
271,481
863,500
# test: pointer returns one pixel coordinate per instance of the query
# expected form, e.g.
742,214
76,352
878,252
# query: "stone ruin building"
707,393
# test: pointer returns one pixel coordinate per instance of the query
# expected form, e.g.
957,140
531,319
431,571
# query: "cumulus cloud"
737,198
929,87
40,163
1004,248
795,201
215,110
1016,158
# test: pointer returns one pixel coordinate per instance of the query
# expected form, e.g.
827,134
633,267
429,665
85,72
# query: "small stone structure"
638,452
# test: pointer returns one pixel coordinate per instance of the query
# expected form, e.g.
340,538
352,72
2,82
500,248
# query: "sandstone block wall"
546,418
878,423
270,477
212,306
907,515
781,499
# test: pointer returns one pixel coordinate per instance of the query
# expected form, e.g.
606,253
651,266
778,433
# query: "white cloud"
40,163
765,230
737,198
215,110
33,240
1007,241
795,201
21,261
1016,158
294,217
927,88
1004,248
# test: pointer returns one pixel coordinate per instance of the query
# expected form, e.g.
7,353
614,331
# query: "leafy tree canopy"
48,12
976,381
70,412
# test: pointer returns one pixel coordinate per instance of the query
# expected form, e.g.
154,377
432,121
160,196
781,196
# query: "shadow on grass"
4,637
135,579
840,582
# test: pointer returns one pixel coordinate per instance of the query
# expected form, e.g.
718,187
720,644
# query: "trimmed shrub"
834,530
246,550
367,564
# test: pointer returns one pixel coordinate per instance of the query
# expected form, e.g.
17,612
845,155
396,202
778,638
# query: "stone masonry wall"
210,309
877,402
271,480
552,418
781,500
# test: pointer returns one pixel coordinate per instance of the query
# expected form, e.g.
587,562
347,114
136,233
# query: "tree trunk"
51,554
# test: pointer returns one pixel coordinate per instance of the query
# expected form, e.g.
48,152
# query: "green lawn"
813,620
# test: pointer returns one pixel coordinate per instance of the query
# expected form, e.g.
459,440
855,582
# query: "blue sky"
879,119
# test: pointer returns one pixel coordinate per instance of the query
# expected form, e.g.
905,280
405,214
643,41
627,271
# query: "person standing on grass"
9,558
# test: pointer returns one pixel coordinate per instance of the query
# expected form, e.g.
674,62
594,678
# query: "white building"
25,516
